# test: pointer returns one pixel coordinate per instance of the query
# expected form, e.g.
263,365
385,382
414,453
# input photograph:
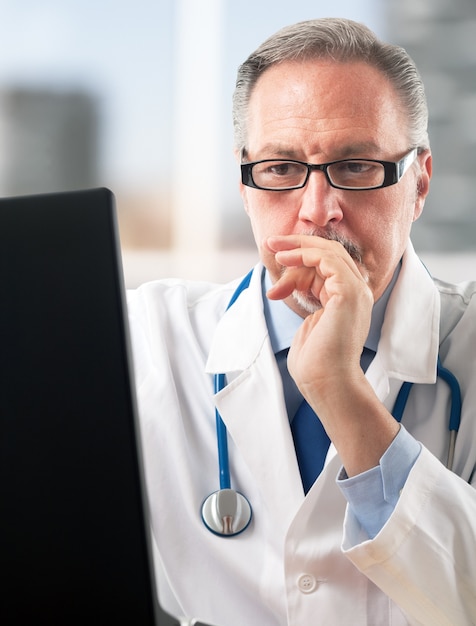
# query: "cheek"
268,216
269,213
385,236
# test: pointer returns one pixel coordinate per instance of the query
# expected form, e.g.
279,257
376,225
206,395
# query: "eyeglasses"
352,174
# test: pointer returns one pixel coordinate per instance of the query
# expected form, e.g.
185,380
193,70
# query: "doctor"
331,134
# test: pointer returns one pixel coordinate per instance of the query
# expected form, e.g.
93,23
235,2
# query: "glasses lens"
279,174
357,174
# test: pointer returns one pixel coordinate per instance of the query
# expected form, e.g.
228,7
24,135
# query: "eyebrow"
355,150
359,148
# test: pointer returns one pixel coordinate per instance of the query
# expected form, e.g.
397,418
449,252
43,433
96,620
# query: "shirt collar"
283,322
378,313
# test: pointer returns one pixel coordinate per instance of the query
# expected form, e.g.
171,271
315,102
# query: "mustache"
353,249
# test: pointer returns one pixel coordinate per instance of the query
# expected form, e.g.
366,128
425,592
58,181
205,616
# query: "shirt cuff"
373,495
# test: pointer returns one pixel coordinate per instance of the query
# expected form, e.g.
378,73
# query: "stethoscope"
227,512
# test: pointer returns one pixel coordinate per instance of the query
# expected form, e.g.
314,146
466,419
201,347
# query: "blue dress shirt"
372,495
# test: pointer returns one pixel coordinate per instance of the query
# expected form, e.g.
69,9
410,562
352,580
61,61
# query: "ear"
423,183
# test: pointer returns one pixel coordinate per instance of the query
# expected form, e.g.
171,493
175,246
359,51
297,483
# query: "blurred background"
136,96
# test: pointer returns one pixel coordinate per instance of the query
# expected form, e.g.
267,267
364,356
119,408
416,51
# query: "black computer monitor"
74,535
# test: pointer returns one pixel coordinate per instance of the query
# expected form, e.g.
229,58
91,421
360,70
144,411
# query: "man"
331,134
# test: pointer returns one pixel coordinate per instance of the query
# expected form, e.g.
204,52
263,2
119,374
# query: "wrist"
355,420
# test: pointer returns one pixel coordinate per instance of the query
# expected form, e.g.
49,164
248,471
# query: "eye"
355,167
280,168
279,174
358,173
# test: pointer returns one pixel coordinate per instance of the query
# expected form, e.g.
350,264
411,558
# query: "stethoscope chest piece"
226,512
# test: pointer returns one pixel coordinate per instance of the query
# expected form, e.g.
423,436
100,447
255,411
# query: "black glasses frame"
393,172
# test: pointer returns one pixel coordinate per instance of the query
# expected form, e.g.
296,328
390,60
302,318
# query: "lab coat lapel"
409,342
252,404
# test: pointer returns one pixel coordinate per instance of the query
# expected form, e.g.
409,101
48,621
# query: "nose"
320,202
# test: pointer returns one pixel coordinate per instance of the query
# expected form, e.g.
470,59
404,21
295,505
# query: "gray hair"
340,40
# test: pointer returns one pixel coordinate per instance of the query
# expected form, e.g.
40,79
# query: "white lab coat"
303,561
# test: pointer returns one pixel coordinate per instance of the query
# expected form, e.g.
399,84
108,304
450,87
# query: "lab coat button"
306,583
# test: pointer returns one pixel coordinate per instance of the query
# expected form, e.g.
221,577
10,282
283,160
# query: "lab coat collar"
241,332
409,341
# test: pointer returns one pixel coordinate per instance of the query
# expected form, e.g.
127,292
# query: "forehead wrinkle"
348,149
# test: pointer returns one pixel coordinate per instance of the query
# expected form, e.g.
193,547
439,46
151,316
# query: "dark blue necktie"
310,439
311,443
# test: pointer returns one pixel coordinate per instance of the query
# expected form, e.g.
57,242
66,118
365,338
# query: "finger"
276,243
316,258
282,243
313,257
296,279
